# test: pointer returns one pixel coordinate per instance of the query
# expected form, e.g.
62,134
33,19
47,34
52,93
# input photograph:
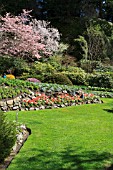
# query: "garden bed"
48,100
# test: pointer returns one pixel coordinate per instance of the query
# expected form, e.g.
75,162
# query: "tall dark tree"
61,9
15,7
72,8
109,10
100,6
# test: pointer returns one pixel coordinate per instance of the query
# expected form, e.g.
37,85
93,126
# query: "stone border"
16,104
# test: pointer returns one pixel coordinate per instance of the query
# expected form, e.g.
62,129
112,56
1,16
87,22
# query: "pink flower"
34,80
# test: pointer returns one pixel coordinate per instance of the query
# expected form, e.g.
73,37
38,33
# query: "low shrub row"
72,78
103,94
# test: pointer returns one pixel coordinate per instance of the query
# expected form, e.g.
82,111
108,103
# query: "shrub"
76,75
103,68
7,136
19,65
77,78
16,65
75,69
89,65
81,46
58,78
68,61
62,62
56,61
25,76
100,80
42,68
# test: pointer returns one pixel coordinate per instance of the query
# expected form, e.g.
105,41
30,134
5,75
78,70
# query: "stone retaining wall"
16,103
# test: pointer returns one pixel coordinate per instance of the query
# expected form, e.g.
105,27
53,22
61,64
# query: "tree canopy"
57,9
85,25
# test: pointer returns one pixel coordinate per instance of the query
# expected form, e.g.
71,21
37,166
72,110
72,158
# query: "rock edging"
17,103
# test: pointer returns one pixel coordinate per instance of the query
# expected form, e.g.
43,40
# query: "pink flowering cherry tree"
18,38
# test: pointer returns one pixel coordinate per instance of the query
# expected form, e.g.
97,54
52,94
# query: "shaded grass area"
72,138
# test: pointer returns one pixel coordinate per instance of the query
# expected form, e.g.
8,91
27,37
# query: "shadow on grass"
108,110
68,159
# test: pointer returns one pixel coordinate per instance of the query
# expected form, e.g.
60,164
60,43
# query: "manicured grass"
72,138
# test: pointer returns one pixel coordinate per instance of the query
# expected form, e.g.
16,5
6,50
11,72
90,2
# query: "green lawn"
72,138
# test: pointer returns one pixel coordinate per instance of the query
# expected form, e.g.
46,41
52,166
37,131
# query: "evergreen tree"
7,137
15,7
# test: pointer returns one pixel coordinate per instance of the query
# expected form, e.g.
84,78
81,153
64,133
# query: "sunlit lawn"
71,138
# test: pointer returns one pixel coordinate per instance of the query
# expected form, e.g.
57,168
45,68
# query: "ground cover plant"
11,88
67,138
21,84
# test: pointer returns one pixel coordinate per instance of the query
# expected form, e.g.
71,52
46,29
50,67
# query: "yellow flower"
10,76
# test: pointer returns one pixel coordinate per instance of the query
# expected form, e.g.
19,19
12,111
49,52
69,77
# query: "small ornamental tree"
50,36
18,38
7,136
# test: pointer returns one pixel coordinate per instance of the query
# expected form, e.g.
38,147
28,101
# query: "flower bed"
43,101
23,95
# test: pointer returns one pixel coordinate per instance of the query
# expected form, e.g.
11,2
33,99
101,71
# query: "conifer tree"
7,136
